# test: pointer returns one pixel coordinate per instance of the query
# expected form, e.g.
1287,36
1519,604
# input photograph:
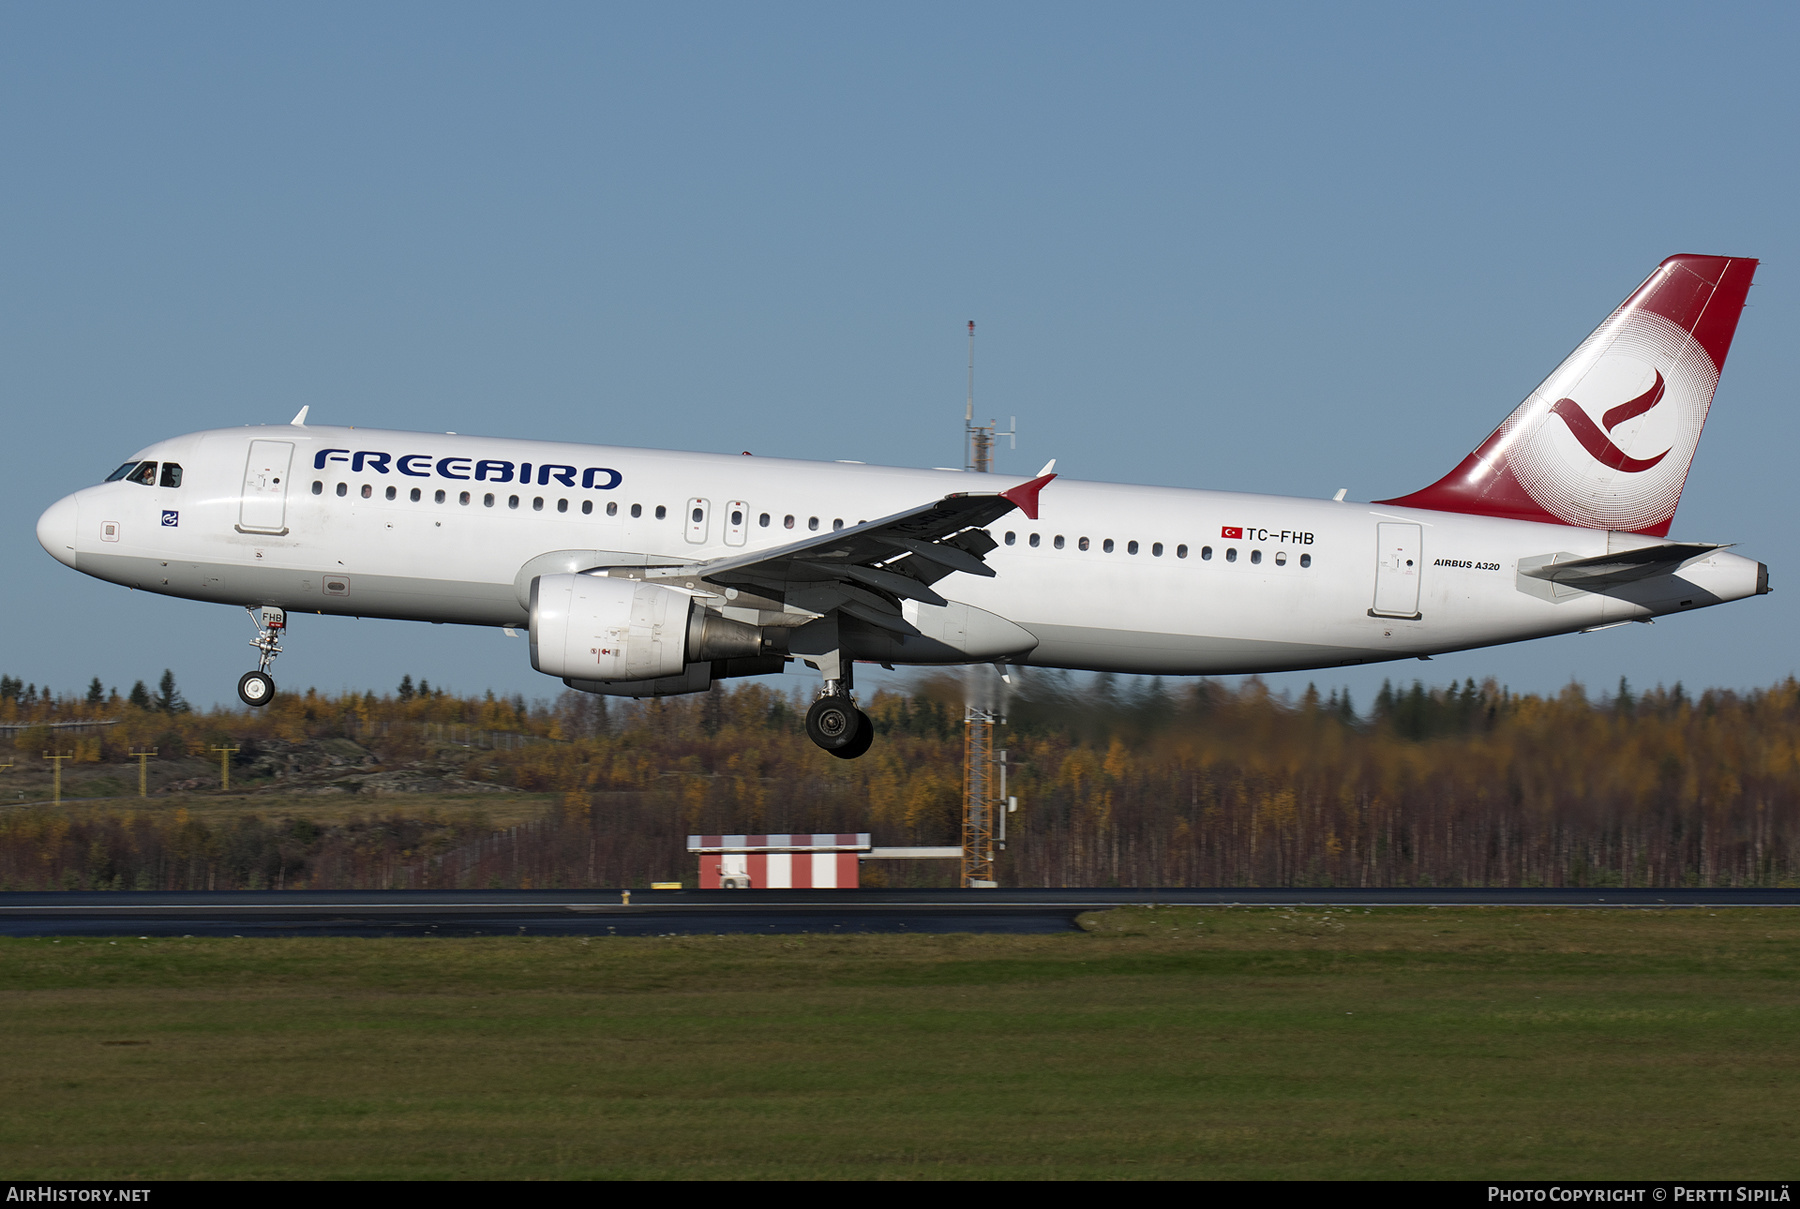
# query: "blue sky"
1268,248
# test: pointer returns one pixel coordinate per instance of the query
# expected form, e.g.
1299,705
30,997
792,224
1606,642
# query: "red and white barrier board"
803,861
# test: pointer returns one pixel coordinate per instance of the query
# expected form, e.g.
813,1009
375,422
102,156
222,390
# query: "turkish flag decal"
1228,531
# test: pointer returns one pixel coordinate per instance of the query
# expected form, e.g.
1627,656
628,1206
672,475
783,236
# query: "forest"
1120,782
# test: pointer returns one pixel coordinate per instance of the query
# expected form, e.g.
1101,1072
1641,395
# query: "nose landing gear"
257,688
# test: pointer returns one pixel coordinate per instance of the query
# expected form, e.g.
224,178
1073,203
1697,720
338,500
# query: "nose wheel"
258,688
255,688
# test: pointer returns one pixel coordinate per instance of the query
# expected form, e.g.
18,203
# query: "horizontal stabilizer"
1608,570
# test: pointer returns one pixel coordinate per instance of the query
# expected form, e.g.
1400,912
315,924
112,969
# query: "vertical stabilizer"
1606,441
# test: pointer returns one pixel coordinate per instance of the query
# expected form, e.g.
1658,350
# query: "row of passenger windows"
1156,549
144,473
764,520
489,500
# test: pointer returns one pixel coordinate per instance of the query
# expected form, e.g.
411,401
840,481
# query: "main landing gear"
836,725
257,688
834,722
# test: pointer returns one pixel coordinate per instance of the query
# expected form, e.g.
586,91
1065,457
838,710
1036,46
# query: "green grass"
1221,1043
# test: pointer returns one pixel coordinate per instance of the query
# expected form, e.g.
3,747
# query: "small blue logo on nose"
171,519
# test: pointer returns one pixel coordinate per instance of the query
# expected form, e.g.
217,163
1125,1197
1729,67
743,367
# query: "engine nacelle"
590,627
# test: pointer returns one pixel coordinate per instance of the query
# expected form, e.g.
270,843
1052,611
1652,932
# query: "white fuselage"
1109,577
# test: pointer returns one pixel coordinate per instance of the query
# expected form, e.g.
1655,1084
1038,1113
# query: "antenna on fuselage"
299,420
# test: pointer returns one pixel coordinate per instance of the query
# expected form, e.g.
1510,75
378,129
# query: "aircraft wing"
866,570
1609,570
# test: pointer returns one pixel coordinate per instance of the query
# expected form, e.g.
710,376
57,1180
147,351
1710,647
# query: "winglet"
299,420
1025,495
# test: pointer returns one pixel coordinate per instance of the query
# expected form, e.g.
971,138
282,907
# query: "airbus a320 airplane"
645,573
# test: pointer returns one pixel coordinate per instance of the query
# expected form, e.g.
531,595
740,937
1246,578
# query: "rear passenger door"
1397,565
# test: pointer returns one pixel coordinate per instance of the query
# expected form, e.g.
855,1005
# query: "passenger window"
415,495
439,497
121,472
1306,560
1035,539
392,492
144,475
1156,550
367,491
343,489
1256,556
787,522
1011,537
661,512
171,474
1106,547
763,520
318,487
812,522
612,509
1131,547
838,523
1231,554
587,507
1058,543
537,503
1181,551
487,500
1280,558
462,497
637,510
1082,543
562,505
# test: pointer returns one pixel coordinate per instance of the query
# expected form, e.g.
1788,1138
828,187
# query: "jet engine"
589,627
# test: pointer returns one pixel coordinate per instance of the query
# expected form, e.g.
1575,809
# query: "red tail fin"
1606,441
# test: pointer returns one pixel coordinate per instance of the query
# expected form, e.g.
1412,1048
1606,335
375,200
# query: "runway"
693,912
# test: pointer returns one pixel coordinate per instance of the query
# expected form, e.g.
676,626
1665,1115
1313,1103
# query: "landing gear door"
264,505
1397,570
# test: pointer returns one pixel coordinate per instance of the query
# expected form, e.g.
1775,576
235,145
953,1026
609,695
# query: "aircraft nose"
56,529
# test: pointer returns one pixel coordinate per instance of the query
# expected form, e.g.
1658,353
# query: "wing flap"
866,570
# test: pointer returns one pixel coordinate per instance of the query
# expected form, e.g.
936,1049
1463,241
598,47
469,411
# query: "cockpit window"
121,472
145,474
171,474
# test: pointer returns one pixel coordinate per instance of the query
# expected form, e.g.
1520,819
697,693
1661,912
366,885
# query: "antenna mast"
978,455
985,801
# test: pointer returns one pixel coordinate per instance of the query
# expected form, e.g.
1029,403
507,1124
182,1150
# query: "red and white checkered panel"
803,861
841,841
